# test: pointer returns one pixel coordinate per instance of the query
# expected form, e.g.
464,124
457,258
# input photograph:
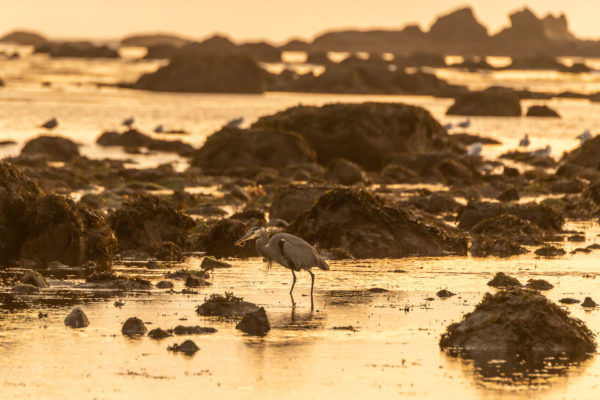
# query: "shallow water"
393,350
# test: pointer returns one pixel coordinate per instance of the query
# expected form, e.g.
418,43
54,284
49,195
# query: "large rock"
255,323
76,49
364,133
232,148
146,223
539,214
519,322
134,327
44,228
160,51
55,148
77,319
206,73
219,240
24,38
261,51
459,26
586,155
345,172
290,201
542,111
493,101
367,227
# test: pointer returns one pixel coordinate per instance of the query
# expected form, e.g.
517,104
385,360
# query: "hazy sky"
276,20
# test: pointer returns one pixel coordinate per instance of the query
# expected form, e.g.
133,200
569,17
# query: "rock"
367,227
589,303
550,251
364,133
24,289
458,27
483,246
542,111
188,348
509,195
534,158
493,101
196,72
510,172
567,186
193,330
108,280
221,236
133,327
159,334
168,251
536,62
539,284
318,58
289,201
435,203
153,40
55,148
45,228
501,280
194,281
34,278
77,319
133,139
233,148
164,285
586,155
160,51
76,49
539,214
568,300
255,323
345,172
519,322
261,51
209,263
509,227
225,306
576,238
467,139
146,222
24,38
444,293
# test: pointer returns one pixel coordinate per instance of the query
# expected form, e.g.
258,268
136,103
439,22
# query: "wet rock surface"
519,322
539,214
542,111
24,289
220,238
444,294
209,263
255,323
132,140
494,101
134,327
501,280
80,49
226,305
290,201
164,285
188,348
108,280
77,319
550,251
366,226
54,148
539,284
159,333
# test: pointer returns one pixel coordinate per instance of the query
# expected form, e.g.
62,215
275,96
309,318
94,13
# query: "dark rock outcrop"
225,306
77,319
345,172
367,227
586,155
539,214
159,333
290,201
255,323
493,101
188,348
501,280
133,139
458,27
76,49
233,148
134,327
55,148
364,133
542,111
24,38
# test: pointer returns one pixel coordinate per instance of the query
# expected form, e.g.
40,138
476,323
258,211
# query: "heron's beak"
245,238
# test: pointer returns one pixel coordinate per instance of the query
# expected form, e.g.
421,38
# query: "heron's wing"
296,251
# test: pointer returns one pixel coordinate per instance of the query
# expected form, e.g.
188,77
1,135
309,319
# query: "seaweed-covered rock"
493,101
538,284
539,214
196,72
345,172
158,334
364,133
292,200
164,285
255,323
108,280
501,280
444,294
134,327
188,348
168,251
193,330
435,203
519,322
55,148
509,195
588,302
550,251
194,281
536,158
511,227
433,167
225,306
146,222
586,155
232,148
367,227
77,319
542,111
219,240
483,246
133,139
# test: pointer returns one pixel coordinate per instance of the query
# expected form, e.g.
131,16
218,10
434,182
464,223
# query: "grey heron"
287,250
524,141
50,124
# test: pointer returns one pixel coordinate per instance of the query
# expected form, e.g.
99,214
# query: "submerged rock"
255,323
188,348
538,284
212,263
367,227
493,101
225,306
77,319
55,148
542,111
147,222
501,280
133,327
159,334
364,133
519,322
193,330
233,148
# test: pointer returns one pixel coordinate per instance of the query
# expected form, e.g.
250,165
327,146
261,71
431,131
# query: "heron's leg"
292,289
312,285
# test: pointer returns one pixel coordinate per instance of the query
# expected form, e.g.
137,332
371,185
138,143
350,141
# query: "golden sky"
276,20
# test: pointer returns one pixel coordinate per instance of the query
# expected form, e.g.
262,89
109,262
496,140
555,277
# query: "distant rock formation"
148,40
24,38
76,49
459,26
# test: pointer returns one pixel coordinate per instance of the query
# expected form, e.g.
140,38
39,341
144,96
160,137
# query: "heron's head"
252,233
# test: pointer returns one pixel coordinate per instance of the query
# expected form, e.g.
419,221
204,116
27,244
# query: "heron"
465,124
524,141
50,124
586,135
128,122
235,123
289,251
474,149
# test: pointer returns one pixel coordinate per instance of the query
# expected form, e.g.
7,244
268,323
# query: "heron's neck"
262,242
